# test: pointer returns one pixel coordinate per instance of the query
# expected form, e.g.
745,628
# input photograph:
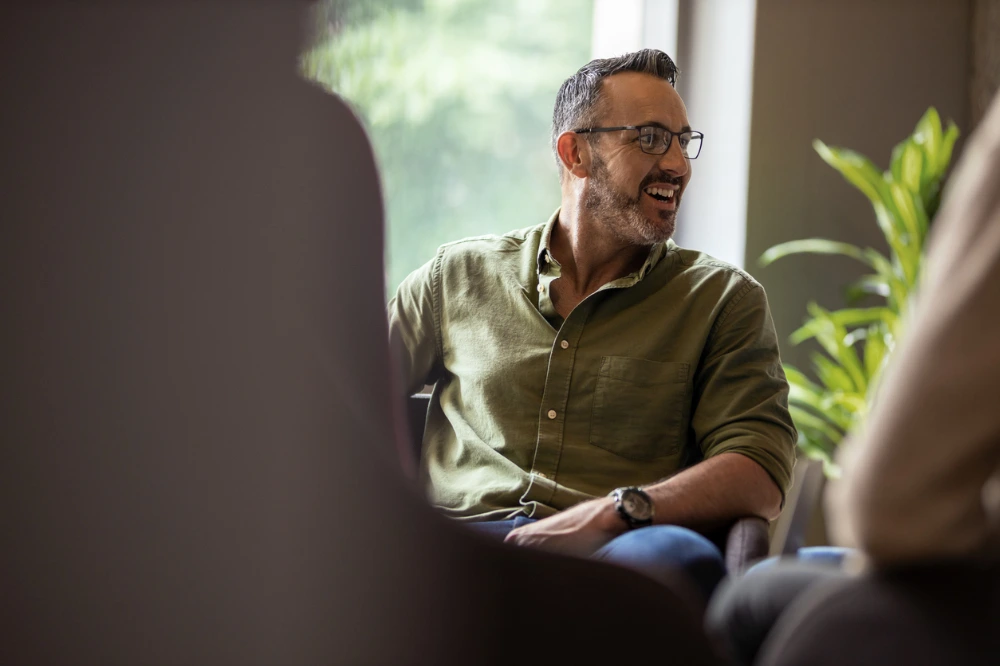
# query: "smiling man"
599,390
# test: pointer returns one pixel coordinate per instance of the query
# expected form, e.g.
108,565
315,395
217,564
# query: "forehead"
632,98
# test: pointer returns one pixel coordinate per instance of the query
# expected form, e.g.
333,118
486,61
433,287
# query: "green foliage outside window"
905,198
457,98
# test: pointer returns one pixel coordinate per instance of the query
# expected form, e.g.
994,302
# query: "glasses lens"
651,140
690,144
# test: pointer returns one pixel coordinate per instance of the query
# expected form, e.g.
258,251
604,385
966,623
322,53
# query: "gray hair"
580,95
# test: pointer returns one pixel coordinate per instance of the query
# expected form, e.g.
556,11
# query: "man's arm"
742,425
414,339
707,494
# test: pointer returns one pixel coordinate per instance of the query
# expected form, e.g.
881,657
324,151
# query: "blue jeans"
658,551
832,556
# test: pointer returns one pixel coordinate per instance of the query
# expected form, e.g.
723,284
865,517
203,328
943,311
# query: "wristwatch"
634,506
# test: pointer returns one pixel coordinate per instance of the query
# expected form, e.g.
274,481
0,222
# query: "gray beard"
621,213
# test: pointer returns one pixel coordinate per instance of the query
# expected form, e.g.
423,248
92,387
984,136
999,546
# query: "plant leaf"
863,316
809,422
813,246
912,166
909,251
947,145
856,168
845,409
893,230
868,284
876,346
928,135
796,376
897,289
833,377
831,336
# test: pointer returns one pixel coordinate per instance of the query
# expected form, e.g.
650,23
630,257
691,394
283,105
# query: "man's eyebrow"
686,128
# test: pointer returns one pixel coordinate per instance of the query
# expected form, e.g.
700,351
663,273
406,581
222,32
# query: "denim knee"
668,548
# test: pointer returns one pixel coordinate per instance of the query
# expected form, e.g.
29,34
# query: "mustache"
659,177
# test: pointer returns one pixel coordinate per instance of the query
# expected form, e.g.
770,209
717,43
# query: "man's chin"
661,229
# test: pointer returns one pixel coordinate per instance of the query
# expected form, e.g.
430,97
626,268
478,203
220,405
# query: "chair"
742,543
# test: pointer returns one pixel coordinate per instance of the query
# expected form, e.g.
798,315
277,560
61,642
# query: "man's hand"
580,530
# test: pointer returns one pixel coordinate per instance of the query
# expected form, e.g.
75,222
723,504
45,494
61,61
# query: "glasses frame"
639,128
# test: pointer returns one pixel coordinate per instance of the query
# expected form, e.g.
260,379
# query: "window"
457,98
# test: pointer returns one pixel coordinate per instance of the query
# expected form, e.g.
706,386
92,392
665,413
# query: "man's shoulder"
487,245
704,267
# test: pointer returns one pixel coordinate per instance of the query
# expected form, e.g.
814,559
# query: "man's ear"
574,153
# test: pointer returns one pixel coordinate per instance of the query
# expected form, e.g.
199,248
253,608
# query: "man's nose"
673,161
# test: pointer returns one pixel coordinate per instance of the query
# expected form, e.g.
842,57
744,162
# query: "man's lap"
657,551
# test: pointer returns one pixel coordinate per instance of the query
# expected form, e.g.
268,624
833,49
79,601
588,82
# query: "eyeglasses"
656,140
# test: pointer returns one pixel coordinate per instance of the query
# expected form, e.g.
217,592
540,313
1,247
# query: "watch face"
636,506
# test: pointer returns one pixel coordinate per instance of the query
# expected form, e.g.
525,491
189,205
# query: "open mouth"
660,193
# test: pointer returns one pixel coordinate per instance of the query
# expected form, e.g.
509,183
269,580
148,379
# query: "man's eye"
685,140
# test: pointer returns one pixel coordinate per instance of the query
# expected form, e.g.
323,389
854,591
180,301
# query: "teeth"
668,193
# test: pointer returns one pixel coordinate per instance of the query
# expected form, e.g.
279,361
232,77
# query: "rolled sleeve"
741,394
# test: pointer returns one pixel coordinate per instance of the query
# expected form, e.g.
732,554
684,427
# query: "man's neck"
589,254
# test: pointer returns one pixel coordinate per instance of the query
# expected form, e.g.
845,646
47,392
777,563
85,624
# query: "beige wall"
855,73
985,55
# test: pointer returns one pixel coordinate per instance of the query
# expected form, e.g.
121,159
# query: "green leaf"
912,166
897,288
832,375
831,336
856,168
894,232
947,145
816,447
908,253
849,403
809,422
863,316
806,396
797,377
928,135
876,346
869,284
814,246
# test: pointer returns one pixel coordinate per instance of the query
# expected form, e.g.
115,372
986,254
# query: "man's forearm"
713,492
716,491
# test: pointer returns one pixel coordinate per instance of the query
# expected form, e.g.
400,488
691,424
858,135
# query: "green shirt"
532,414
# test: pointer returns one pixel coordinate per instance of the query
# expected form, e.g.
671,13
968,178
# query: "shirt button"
564,344
541,288
552,413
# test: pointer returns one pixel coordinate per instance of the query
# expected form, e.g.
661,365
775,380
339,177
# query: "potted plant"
856,342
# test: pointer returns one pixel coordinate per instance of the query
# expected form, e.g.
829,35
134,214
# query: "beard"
622,213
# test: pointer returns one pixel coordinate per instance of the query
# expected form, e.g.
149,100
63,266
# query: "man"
590,355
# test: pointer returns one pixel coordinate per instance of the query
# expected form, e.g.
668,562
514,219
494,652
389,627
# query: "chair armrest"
747,540
416,414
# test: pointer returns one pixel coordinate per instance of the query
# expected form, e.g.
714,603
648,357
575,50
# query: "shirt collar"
543,249
544,258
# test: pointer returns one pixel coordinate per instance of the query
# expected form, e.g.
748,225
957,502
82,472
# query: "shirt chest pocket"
640,407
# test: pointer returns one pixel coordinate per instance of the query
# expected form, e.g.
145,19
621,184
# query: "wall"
854,73
985,55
